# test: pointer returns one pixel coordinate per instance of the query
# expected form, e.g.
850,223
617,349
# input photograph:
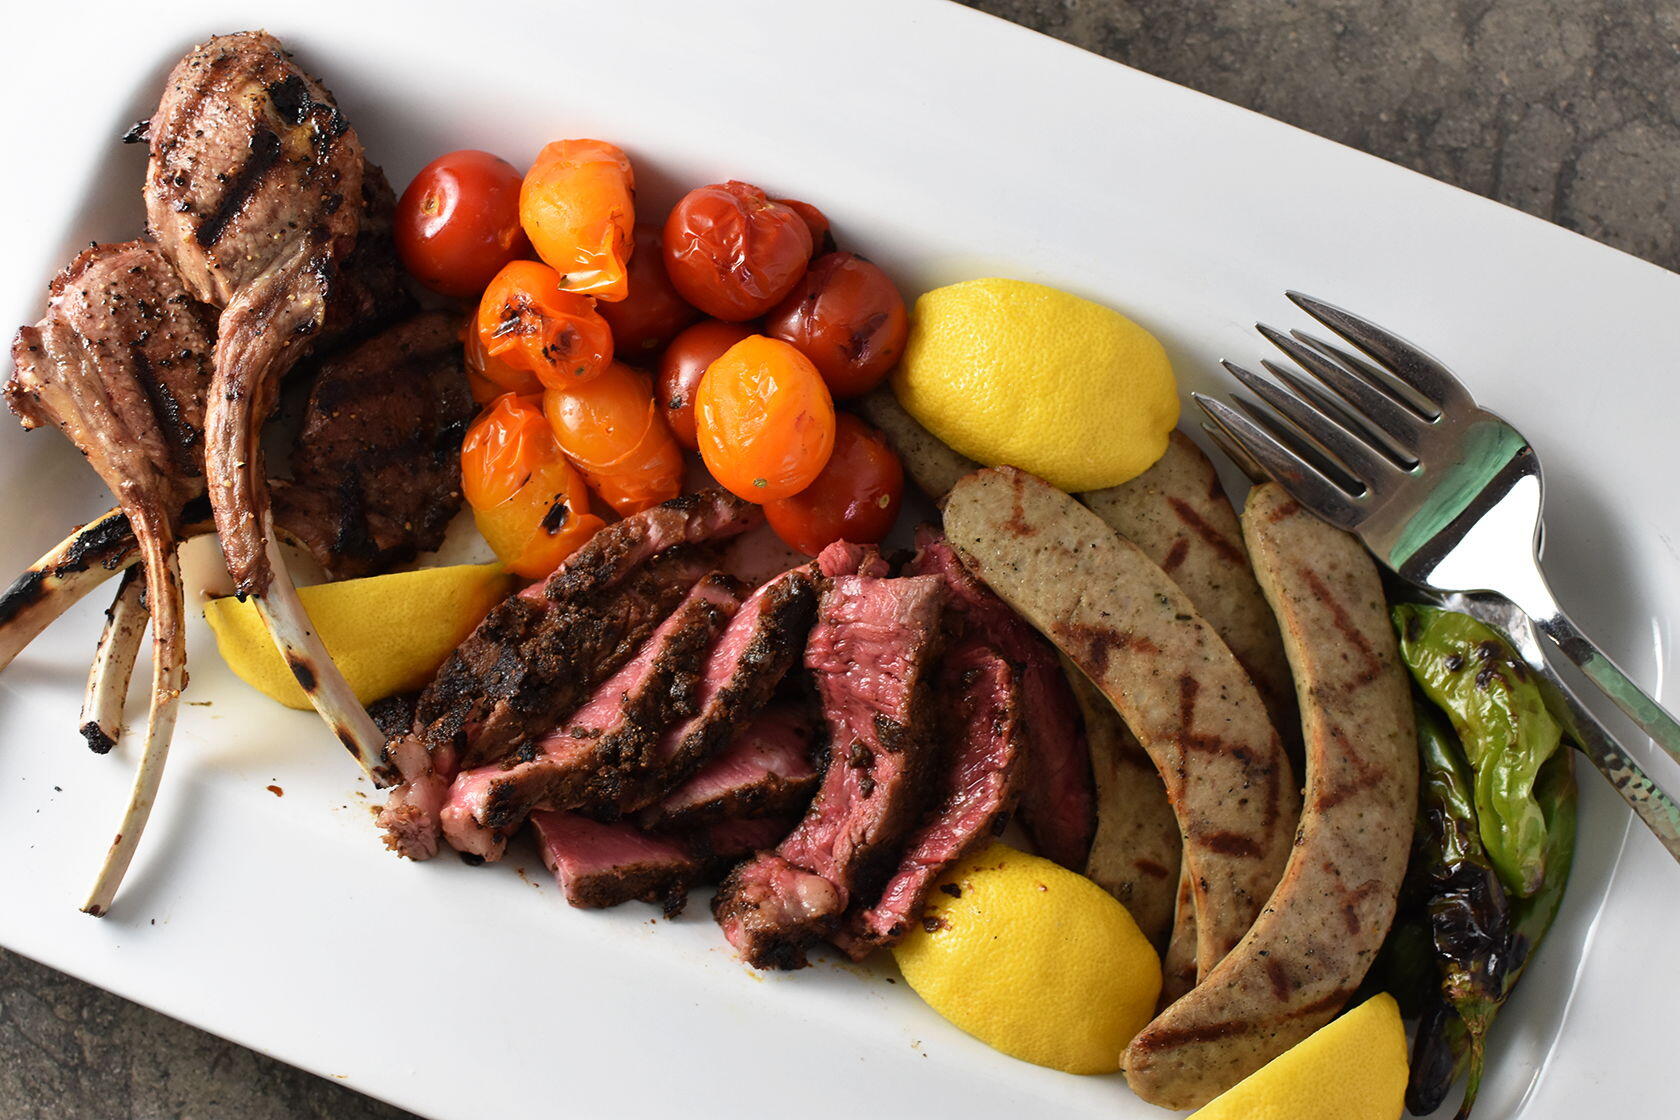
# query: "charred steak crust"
376,462
872,656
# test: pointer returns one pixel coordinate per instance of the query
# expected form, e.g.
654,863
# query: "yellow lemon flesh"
1034,961
1009,372
1352,1069
387,633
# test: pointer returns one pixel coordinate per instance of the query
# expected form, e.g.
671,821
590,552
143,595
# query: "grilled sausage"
1178,963
1178,514
1138,638
1323,926
932,466
1136,853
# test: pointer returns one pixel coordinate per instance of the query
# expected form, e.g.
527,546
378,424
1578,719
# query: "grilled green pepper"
1469,922
1501,718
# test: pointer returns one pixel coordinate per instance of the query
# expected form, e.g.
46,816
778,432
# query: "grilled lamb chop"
376,473
973,794
1058,806
252,192
112,365
765,771
584,762
539,654
872,655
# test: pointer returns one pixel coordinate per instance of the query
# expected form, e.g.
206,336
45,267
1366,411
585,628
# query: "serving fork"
1383,441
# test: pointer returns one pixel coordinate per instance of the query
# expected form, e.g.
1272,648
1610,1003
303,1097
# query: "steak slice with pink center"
765,771
977,785
872,656
608,742
1058,804
599,865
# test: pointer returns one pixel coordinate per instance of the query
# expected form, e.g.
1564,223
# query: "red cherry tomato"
846,316
457,223
733,252
652,313
528,323
856,497
822,238
764,420
684,364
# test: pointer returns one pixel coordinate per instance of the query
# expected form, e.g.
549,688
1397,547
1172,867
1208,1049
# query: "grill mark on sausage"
1186,513
1175,555
1102,643
1344,625
1233,844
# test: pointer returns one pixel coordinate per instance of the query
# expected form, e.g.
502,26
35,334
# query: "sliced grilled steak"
976,789
755,651
1058,806
376,465
609,741
599,865
765,771
871,655
721,845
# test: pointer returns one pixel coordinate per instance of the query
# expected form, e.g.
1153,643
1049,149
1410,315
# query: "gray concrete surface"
1569,109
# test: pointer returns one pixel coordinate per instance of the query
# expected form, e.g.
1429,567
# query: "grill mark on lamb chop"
538,654
251,166
871,654
765,771
376,464
77,370
974,790
584,761
1058,805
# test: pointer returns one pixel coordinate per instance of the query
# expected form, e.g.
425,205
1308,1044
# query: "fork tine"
1338,410
1399,357
1235,451
1364,370
1298,476
1352,454
1371,404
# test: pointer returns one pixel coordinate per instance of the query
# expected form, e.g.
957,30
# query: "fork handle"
1652,717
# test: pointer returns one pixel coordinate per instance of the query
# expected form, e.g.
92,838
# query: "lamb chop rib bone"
113,663
251,191
94,367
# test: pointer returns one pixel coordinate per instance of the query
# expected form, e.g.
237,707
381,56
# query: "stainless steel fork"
1385,442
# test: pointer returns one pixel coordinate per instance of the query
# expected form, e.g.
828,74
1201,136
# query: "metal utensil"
1387,444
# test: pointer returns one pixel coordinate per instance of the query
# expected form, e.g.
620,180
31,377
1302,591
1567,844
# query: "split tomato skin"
611,430
764,420
577,205
846,315
734,252
457,223
683,365
652,311
856,498
528,323
488,377
528,502
822,237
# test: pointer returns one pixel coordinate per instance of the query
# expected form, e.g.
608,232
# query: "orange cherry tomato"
848,318
611,431
529,503
529,324
733,252
683,365
488,377
577,206
652,313
856,497
764,420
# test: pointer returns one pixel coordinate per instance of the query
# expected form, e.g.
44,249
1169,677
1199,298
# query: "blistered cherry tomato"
733,252
846,316
529,503
822,238
488,377
611,430
652,313
856,497
528,323
684,364
457,223
764,420
577,206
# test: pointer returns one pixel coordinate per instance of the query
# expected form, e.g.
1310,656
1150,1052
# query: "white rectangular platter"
945,145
